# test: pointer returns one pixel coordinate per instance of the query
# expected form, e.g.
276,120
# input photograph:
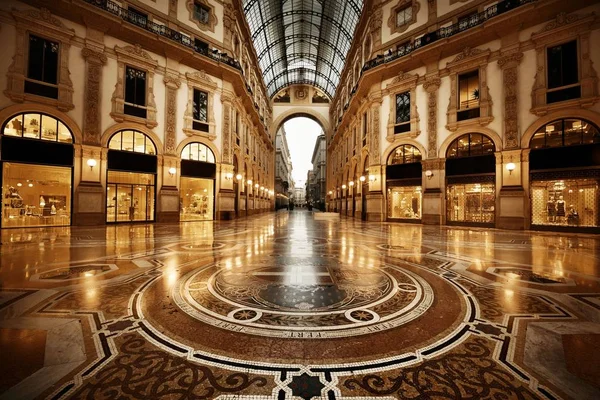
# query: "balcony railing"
442,33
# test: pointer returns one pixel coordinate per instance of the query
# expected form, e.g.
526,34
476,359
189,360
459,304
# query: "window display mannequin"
551,208
561,211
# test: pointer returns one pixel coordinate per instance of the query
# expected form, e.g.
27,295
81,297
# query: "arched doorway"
197,187
471,181
564,166
37,171
404,184
131,177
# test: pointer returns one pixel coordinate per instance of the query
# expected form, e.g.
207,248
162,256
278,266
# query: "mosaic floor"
281,306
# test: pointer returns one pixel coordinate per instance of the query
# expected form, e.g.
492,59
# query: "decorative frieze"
431,86
94,61
509,65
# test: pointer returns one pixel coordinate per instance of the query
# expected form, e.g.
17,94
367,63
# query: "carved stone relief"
431,86
95,60
172,83
227,148
509,64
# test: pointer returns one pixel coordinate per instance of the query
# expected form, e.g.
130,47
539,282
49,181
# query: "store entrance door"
130,201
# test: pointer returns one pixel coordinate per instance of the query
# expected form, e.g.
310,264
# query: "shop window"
42,67
132,141
468,96
38,126
129,196
563,73
471,203
198,152
135,92
402,112
35,195
470,145
565,132
405,154
200,110
565,202
404,202
197,199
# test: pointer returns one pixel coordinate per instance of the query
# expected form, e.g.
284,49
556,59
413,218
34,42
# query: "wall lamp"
429,174
229,176
510,167
330,192
249,182
256,186
362,178
172,171
372,178
91,163
239,177
343,187
351,183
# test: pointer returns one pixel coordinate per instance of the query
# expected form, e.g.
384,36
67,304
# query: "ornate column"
512,199
431,86
172,84
375,198
94,61
226,198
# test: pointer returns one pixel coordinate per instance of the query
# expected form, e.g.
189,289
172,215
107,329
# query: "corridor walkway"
282,306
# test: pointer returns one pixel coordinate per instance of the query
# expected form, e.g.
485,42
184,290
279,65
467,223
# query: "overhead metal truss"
302,41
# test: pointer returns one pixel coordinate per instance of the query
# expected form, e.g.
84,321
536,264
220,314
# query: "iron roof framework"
302,41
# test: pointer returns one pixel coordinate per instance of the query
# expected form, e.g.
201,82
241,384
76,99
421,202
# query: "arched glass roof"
302,41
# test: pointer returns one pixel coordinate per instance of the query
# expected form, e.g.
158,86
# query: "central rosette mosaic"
303,301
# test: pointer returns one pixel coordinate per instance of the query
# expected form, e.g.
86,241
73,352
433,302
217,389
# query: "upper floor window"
198,152
42,67
563,73
404,15
469,145
201,13
565,132
133,141
405,154
468,96
402,112
135,92
38,126
200,110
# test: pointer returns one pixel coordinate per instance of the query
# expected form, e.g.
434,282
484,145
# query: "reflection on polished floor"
282,306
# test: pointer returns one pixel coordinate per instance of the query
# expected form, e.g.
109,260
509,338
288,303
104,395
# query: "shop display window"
565,202
35,195
133,141
471,203
38,126
197,199
404,202
565,132
129,197
197,152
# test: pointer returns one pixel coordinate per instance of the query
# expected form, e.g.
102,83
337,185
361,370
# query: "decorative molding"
212,17
562,29
469,59
136,57
94,61
434,164
172,84
229,23
42,23
226,137
431,86
375,133
416,6
509,64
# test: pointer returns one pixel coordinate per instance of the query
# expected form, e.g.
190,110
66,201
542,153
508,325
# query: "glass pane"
573,132
473,202
194,151
404,202
138,206
476,145
127,141
197,199
111,202
32,126
201,152
463,146
554,134
49,126
131,178
150,148
115,142
123,200
64,134
590,133
210,157
185,153
14,127
150,203
36,195
468,88
139,142
538,140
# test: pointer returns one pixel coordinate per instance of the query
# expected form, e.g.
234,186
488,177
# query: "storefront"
131,178
37,171
403,183
197,189
471,181
564,166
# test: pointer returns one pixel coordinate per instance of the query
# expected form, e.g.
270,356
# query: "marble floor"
283,306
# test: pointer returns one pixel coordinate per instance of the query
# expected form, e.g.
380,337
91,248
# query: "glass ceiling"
302,41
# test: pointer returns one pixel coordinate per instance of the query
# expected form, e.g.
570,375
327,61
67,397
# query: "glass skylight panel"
302,40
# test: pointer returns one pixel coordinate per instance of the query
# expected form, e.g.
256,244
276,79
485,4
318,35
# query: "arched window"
197,152
133,141
405,154
565,132
37,126
469,145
